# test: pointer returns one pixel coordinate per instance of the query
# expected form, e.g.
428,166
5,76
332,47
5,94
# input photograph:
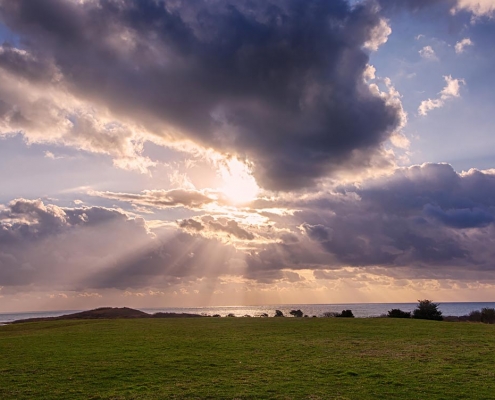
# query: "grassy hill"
247,358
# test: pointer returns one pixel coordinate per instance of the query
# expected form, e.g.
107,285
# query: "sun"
239,185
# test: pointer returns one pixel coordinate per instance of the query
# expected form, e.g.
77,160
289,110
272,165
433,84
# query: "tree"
297,313
330,314
345,314
398,313
475,316
488,315
426,309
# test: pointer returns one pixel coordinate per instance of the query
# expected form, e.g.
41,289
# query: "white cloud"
450,91
477,7
428,53
51,115
452,88
459,46
369,73
379,35
161,198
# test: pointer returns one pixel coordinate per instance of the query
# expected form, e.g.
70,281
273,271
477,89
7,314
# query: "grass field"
248,358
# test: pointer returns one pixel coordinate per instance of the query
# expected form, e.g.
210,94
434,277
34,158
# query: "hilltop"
110,313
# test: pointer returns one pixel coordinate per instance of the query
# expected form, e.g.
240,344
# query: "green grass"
247,358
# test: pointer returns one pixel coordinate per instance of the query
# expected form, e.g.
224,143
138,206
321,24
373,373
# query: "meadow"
247,358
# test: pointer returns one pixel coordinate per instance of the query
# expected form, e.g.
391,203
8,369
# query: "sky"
172,153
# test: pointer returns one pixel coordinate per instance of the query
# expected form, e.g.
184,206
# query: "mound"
109,313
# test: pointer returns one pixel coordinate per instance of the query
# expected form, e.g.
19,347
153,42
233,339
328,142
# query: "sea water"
360,310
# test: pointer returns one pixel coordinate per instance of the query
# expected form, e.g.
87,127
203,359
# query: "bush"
345,314
488,315
426,309
279,313
297,313
397,313
475,316
329,314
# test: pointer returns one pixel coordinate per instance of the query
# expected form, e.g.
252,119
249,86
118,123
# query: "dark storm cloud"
415,5
422,217
460,218
278,82
317,232
25,65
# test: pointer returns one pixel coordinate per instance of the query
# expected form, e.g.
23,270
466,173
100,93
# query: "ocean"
360,310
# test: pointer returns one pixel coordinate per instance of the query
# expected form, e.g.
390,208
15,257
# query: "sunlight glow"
238,184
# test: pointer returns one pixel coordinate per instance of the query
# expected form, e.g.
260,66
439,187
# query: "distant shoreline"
129,313
107,313
360,310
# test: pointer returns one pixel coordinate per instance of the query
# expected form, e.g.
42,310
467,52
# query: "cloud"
319,233
428,53
414,5
161,198
51,114
460,46
271,82
191,224
414,218
231,227
45,245
166,263
450,91
421,222
477,7
460,218
379,35
209,224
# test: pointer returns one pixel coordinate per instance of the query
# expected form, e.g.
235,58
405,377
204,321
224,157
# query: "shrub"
488,315
264,315
231,315
297,313
279,313
330,314
345,314
398,313
426,309
475,316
